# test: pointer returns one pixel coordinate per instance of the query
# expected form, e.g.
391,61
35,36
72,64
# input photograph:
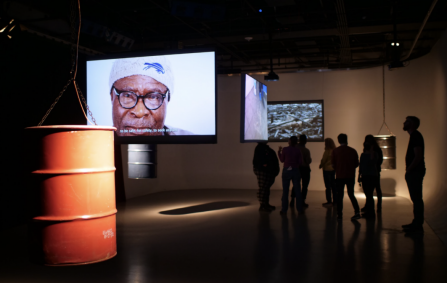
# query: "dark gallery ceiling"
306,35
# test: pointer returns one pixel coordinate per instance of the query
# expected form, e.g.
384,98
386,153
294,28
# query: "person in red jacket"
345,160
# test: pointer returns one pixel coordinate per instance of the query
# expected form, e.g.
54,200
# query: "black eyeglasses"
129,99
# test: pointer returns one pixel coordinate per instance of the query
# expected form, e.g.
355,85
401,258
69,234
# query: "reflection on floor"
237,243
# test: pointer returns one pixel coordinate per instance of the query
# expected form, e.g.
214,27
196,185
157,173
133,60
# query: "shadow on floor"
217,205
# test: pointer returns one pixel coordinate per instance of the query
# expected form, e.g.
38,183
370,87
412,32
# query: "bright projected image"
255,110
294,118
149,96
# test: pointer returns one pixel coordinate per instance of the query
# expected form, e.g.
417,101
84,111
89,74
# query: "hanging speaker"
142,161
388,145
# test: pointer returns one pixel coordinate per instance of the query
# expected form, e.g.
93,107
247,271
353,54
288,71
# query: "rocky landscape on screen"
294,119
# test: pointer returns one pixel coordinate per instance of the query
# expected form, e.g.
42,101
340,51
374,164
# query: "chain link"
383,92
85,103
75,5
55,101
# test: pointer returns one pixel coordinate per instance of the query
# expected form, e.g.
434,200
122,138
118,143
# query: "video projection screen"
253,110
161,98
294,118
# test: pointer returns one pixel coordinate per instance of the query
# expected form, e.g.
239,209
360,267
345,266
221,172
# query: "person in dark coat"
266,168
372,141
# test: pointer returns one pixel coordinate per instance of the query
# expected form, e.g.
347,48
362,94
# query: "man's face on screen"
137,120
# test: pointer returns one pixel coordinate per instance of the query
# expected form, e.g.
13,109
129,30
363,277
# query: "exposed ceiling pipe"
420,29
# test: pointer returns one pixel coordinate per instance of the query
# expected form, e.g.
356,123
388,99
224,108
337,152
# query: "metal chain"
85,103
383,91
75,5
55,101
73,34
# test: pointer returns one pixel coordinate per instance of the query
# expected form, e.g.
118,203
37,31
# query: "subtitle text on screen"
148,130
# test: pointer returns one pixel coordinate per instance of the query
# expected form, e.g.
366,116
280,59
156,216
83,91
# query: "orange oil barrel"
71,194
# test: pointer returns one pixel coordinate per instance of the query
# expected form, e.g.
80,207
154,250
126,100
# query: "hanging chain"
85,103
55,101
74,64
383,91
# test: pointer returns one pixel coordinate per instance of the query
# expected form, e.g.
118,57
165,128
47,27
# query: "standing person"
304,171
266,168
368,177
415,172
292,159
371,140
328,172
345,160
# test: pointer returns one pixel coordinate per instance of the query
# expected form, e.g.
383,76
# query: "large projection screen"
155,98
294,118
253,110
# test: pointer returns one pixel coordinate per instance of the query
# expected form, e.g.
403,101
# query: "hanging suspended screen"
253,110
294,118
155,98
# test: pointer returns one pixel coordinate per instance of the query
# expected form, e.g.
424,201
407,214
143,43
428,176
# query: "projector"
395,64
271,77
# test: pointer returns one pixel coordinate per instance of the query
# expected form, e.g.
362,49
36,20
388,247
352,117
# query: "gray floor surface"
220,236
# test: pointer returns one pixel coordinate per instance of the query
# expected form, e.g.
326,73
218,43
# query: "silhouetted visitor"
304,171
368,177
345,160
371,140
266,168
329,172
292,159
415,172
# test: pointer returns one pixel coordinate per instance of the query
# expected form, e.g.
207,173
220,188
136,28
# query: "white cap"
156,67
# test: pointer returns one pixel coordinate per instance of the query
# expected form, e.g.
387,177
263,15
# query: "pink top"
291,156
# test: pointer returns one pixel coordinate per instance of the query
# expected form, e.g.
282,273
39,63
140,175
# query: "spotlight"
392,43
260,10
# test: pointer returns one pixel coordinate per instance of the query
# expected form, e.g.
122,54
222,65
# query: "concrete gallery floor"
220,236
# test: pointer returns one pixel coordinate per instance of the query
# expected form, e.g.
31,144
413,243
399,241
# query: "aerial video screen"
294,118
254,110
160,99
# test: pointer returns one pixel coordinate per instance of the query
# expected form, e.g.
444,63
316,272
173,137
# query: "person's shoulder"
417,134
351,150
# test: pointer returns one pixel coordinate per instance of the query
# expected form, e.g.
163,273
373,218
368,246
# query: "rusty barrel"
71,194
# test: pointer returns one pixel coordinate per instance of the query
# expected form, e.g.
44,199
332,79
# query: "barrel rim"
73,127
385,136
67,218
81,263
